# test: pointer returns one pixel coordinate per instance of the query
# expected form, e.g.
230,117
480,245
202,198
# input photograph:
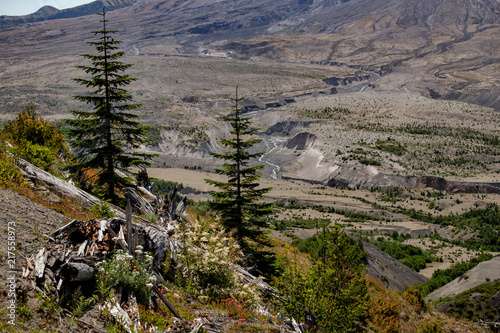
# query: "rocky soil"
32,223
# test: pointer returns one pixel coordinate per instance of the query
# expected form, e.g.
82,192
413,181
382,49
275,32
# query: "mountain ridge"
47,13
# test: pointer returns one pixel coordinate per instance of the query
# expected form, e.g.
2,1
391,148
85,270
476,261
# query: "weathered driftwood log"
56,185
66,189
139,204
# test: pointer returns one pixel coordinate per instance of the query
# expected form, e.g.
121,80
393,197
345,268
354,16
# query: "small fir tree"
332,294
103,138
239,198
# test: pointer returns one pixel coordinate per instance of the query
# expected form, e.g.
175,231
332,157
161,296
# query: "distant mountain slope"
318,16
415,23
51,13
480,274
436,40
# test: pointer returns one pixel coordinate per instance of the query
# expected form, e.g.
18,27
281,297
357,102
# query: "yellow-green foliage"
9,174
35,139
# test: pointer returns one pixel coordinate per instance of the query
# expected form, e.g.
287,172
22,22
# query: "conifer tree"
103,138
239,198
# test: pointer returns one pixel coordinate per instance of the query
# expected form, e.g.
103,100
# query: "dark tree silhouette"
239,198
104,138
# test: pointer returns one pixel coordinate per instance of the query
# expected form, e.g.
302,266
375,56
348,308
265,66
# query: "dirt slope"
388,270
476,276
31,224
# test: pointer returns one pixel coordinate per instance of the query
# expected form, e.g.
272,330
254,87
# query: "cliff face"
363,178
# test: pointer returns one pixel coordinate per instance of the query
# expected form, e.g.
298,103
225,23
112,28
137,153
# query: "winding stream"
275,168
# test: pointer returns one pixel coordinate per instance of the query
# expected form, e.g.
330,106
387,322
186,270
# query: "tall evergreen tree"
239,198
104,137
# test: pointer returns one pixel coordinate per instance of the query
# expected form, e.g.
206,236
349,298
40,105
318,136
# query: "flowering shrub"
206,266
235,308
122,270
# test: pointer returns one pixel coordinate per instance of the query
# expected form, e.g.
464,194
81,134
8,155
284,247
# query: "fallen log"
65,189
56,185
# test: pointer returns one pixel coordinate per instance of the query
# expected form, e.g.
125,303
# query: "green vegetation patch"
363,156
300,223
390,146
412,256
389,194
462,133
334,288
478,303
153,134
484,221
324,113
351,215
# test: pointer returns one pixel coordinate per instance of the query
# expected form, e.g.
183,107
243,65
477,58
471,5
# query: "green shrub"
390,146
122,270
9,173
35,154
429,328
103,210
27,127
333,289
35,139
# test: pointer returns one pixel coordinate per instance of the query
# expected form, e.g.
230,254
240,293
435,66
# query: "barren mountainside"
435,40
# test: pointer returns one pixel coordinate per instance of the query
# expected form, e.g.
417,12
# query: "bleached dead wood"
139,204
296,326
179,210
115,310
66,189
59,186
40,260
198,324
